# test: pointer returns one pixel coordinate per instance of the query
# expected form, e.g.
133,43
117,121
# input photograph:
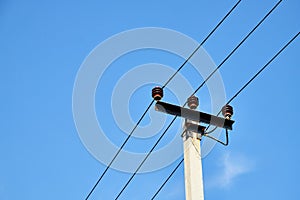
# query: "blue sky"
43,45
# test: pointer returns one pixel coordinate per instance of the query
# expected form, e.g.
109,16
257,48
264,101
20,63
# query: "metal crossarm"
193,115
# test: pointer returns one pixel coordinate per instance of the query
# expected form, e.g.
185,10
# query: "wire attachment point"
217,140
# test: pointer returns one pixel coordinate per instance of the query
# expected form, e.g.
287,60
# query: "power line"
142,162
201,85
139,121
263,68
174,170
229,55
202,42
115,156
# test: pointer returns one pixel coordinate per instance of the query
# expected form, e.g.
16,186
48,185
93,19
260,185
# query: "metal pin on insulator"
193,102
157,93
227,111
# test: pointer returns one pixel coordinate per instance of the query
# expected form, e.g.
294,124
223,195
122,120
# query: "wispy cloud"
232,166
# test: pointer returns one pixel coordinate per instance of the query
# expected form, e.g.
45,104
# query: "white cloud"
232,166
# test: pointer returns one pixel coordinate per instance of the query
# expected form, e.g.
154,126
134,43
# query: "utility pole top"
192,136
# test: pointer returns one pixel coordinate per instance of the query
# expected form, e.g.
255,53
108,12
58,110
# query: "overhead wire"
151,103
201,85
245,38
141,164
232,98
164,183
201,44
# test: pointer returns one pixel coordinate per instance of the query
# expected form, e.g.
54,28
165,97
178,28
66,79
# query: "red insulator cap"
157,93
193,102
227,111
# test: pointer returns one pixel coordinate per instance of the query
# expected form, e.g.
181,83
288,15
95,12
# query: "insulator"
193,102
157,93
227,111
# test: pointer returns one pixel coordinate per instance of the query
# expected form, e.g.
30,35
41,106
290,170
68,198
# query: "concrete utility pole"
192,135
192,166
192,157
